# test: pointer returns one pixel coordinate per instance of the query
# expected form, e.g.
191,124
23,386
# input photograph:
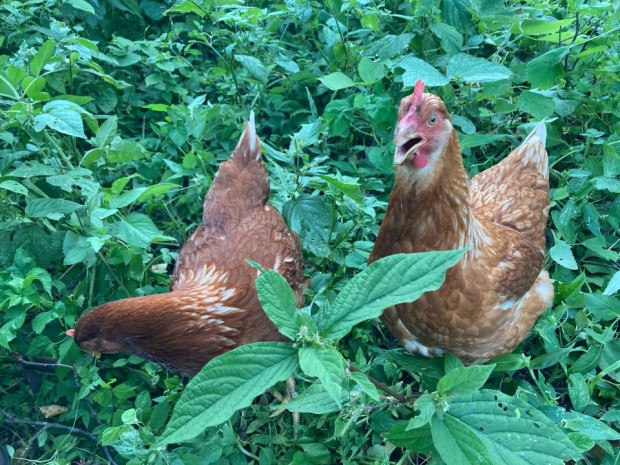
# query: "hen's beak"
407,142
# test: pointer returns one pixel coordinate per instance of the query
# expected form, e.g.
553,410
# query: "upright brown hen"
494,294
212,306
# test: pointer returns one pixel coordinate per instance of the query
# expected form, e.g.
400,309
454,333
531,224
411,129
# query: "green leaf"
137,229
418,440
502,423
371,71
415,69
14,186
226,384
107,132
475,69
365,385
77,249
536,104
562,254
426,406
451,40
53,209
591,427
464,380
62,116
544,70
254,67
457,444
532,26
315,400
125,151
278,301
8,331
578,391
389,281
326,364
337,81
82,5
612,286
605,183
42,57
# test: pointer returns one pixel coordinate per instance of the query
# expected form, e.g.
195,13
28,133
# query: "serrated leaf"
137,229
464,380
475,69
365,385
388,281
254,67
562,254
415,69
327,365
62,116
8,331
502,422
51,208
226,384
278,301
337,81
42,57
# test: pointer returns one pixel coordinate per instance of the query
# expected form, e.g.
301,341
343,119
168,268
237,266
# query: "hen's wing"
515,192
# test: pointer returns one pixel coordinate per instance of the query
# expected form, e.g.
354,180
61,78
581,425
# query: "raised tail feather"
240,184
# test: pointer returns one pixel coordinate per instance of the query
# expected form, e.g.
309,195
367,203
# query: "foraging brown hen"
491,298
212,306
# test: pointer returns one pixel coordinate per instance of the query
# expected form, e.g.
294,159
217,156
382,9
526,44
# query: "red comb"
70,332
418,90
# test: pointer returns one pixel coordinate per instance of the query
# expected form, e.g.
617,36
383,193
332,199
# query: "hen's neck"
435,210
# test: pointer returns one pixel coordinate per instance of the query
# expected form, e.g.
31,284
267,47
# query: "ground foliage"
114,115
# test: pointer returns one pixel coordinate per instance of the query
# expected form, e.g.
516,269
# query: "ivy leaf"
388,281
475,69
278,301
464,380
326,364
226,384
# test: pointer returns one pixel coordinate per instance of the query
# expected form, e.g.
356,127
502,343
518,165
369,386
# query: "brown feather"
492,297
212,306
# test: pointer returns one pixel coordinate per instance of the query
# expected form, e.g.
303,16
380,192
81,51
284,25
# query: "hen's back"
515,192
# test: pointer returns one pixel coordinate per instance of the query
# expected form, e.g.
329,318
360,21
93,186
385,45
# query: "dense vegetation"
114,116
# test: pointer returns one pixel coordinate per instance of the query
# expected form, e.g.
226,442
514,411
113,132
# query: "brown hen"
212,306
491,298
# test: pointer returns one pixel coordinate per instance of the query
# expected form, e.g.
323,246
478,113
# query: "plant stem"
380,385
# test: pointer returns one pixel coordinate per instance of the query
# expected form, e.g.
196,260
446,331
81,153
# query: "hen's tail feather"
249,146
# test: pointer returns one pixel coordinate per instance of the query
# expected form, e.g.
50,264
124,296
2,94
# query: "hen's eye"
432,121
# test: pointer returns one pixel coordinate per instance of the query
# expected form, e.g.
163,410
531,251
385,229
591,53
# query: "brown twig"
381,386
10,419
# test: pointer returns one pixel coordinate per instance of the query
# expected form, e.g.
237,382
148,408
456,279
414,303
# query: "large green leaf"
62,116
543,71
475,69
226,384
389,281
464,380
337,81
278,301
326,364
512,431
53,209
137,229
415,69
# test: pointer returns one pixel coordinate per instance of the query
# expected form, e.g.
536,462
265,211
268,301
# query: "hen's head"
422,131
92,336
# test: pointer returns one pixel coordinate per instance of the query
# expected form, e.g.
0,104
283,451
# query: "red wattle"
420,161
